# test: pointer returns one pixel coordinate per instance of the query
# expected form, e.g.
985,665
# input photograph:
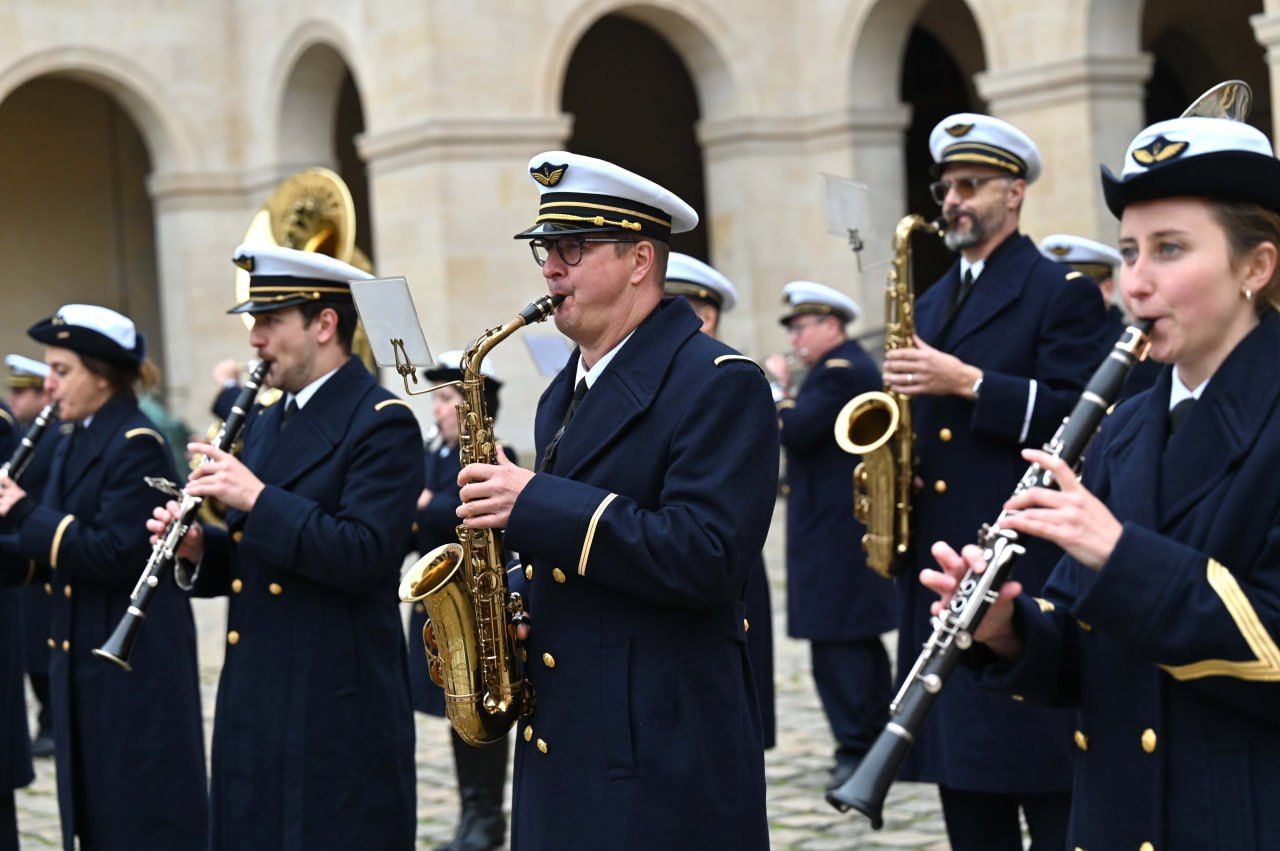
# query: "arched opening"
1196,45
648,126
321,116
943,53
77,222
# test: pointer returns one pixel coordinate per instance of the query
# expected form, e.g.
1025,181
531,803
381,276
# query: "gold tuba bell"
877,425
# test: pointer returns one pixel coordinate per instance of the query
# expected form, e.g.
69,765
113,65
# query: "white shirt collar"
1179,391
593,374
976,266
303,396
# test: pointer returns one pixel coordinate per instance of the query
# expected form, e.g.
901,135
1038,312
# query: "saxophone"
470,632
877,425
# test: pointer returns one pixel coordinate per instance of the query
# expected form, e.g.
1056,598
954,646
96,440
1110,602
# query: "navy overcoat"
313,731
832,595
639,543
1171,652
1037,335
130,744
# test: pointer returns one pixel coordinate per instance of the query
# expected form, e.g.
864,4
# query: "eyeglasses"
798,326
965,187
570,248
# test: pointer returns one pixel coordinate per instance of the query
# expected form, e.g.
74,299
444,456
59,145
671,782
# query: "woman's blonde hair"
1248,225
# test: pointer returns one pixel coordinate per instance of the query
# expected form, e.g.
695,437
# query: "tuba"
470,632
877,425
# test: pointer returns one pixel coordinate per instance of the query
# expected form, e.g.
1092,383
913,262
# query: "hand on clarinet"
10,494
996,629
1069,517
225,478
191,548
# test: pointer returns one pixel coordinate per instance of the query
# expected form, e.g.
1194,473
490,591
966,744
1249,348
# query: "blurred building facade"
137,140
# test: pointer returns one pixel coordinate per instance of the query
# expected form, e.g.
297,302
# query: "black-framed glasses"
965,187
570,248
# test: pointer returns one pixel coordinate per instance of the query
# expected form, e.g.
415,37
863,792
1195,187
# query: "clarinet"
17,465
164,554
953,629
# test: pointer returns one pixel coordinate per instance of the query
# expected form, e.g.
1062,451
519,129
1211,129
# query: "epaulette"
1073,274
5,415
724,359
139,432
839,363
388,402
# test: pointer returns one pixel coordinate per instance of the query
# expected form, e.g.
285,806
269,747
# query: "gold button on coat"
237,536
528,732
275,588
1149,740
940,486
236,586
746,625
945,435
66,646
548,660
419,607
1082,741
557,574
66,591
1146,846
528,572
542,745
48,589
52,644
233,637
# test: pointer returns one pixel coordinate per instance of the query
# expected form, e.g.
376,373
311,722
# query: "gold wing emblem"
1060,250
1159,150
548,174
958,130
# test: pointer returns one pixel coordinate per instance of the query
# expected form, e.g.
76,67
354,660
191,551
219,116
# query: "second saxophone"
877,424
469,637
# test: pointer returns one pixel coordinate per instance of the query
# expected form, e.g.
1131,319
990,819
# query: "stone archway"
651,128
1196,45
77,224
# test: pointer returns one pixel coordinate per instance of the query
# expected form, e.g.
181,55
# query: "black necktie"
549,456
1178,413
962,292
289,411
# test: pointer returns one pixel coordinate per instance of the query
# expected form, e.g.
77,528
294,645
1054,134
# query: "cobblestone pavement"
795,770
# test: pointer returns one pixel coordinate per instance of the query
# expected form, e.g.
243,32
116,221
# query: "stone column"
446,196
765,193
1081,112
200,219
1266,27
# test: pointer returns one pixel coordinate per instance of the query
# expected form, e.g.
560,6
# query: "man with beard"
1005,343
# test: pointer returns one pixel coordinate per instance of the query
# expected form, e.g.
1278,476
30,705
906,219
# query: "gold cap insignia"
548,174
244,261
1159,150
1060,250
958,130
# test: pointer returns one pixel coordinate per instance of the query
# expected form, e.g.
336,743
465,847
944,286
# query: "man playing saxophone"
657,469
1005,343
313,729
833,599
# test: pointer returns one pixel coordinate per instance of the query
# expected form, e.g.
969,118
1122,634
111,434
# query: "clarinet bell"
867,787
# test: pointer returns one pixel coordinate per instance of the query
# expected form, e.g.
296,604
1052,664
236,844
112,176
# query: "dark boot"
482,779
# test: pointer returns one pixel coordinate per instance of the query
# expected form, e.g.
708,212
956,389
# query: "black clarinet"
164,555
17,465
953,629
